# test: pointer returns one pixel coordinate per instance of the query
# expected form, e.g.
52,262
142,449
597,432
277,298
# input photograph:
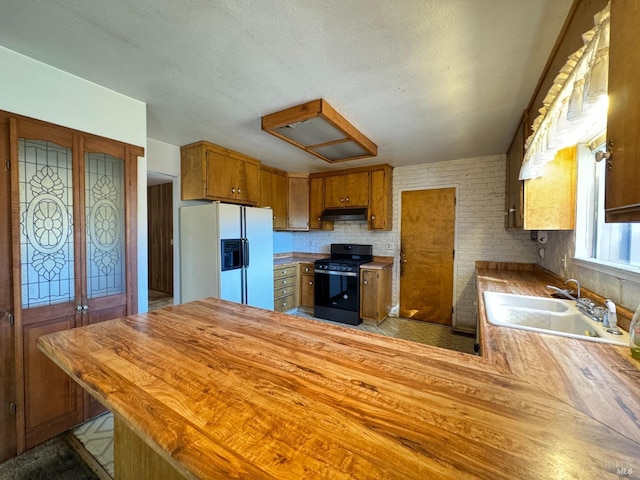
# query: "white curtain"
575,108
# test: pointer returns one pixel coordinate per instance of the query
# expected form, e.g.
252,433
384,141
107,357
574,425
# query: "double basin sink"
547,315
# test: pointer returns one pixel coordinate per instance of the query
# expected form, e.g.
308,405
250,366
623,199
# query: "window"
616,244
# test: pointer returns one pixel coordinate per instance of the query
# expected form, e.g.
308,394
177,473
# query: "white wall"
480,235
37,90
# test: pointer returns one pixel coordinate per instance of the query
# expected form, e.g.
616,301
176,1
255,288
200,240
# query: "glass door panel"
105,225
46,223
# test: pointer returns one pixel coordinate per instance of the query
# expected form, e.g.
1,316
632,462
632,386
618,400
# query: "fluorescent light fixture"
319,129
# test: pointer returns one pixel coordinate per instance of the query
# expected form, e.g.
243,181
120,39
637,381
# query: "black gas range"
337,283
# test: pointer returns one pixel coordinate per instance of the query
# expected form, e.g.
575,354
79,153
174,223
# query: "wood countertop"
223,390
600,380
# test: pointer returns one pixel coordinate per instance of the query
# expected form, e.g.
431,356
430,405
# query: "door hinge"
454,253
11,318
7,165
452,312
13,408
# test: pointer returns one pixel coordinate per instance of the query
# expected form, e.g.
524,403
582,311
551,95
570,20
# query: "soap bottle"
634,334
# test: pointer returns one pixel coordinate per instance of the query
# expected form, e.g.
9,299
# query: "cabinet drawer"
284,271
284,282
284,291
306,268
285,303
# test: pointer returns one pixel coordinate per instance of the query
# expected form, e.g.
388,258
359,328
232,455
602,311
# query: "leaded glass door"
43,188
73,198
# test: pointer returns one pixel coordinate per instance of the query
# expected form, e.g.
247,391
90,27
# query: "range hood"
345,214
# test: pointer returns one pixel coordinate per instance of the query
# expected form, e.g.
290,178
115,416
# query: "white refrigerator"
226,251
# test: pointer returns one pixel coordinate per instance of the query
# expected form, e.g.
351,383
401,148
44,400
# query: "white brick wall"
480,230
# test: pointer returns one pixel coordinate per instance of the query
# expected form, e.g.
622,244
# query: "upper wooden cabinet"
316,205
298,204
622,191
514,193
380,208
347,190
273,193
363,187
211,172
550,201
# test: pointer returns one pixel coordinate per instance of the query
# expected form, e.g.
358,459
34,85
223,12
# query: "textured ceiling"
426,80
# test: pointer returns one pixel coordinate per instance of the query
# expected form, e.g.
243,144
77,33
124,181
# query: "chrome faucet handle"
576,282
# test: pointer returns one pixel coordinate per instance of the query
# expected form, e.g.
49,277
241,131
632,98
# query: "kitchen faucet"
586,306
577,284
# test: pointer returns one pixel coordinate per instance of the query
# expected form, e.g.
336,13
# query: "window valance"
575,108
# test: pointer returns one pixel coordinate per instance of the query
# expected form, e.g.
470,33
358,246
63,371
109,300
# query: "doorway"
160,239
427,242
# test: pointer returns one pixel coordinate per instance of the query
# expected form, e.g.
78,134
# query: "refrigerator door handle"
245,252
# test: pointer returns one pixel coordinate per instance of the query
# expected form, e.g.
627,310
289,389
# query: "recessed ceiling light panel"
319,129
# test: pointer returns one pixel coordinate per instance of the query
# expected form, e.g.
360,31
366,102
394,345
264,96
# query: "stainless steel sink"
546,315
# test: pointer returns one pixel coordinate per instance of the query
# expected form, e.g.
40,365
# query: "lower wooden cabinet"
285,287
307,285
375,294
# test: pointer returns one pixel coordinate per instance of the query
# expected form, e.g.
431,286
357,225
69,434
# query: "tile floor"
97,435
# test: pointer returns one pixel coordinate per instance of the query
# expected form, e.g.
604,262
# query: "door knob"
79,308
85,307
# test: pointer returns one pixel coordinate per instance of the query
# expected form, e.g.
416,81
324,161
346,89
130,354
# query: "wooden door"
334,191
160,235
8,445
622,194
381,197
74,238
247,182
47,290
369,293
221,177
307,290
279,186
357,189
298,203
427,252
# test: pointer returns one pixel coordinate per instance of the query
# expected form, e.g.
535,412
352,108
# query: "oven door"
337,290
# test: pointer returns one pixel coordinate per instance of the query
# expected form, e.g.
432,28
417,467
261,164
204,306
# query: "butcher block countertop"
600,380
222,390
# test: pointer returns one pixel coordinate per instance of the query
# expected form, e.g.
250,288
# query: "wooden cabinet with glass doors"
74,255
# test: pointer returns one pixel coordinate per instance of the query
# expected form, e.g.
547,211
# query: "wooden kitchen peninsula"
213,389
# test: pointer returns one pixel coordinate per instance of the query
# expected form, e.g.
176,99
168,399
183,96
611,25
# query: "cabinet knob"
373,217
347,199
366,282
341,199
238,190
319,219
310,283
284,304
284,282
233,190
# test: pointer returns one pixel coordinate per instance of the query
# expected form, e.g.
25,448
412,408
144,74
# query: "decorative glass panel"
104,200
46,223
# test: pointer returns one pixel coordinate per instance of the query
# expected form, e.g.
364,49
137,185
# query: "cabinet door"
298,205
514,193
220,177
247,182
380,207
306,290
622,193
279,196
369,294
357,189
266,190
334,191
316,205
52,401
